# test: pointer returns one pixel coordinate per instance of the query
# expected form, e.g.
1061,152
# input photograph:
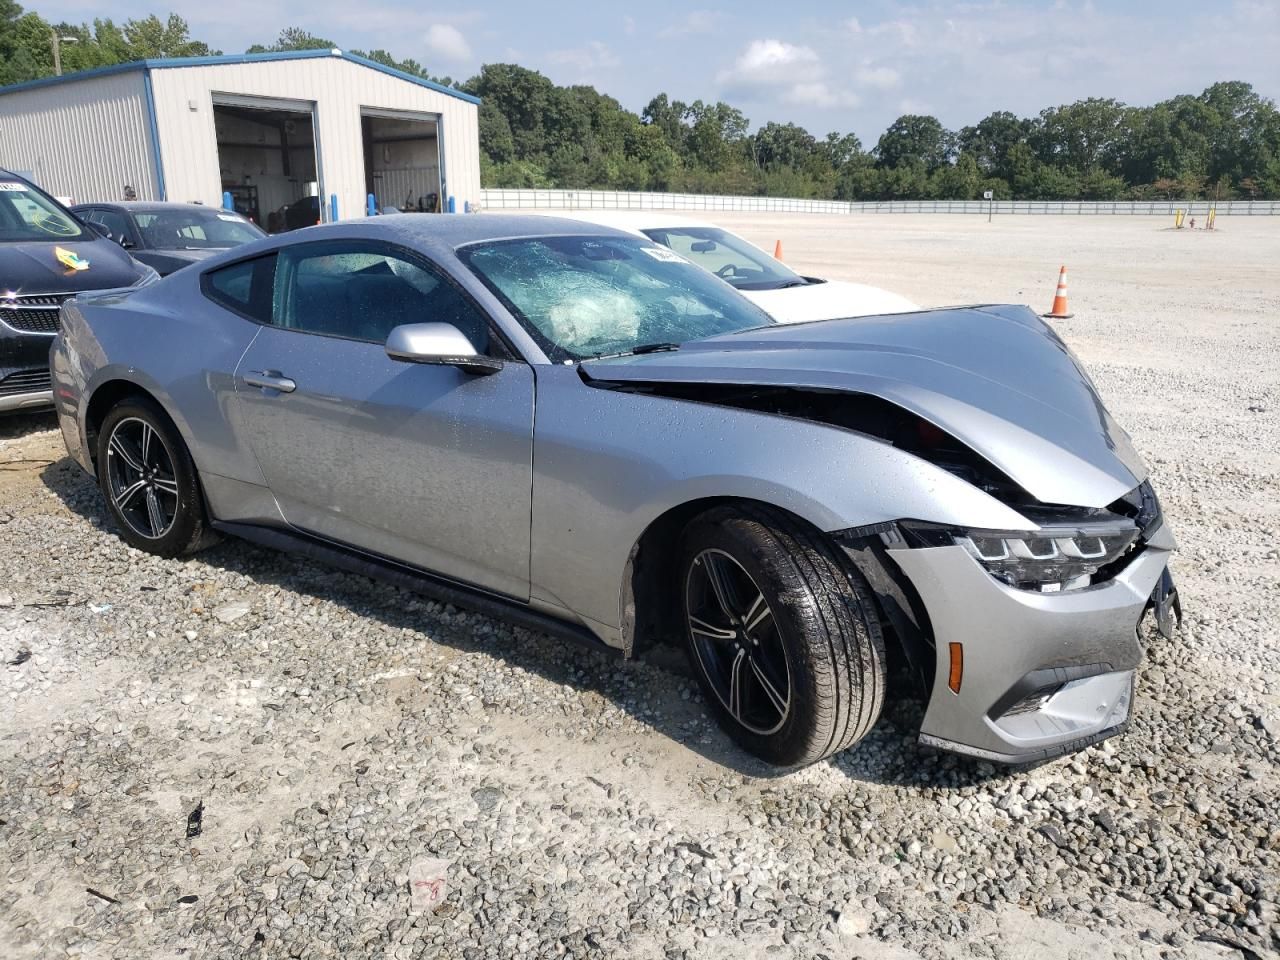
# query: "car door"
424,464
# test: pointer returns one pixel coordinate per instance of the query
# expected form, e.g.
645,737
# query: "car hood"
33,268
995,377
827,301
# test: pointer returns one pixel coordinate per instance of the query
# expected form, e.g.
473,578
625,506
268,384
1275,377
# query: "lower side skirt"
417,580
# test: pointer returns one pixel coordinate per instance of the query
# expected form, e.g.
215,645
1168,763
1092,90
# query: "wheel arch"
104,397
648,609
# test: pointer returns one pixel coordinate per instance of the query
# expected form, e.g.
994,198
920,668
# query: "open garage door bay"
268,161
402,160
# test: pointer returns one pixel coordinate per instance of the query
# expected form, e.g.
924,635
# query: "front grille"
28,381
33,314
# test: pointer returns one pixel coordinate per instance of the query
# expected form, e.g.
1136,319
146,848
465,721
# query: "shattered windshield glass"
585,297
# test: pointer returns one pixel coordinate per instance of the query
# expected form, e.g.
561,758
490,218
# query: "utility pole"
56,43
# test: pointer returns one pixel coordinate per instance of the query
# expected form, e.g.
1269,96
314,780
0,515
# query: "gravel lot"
335,730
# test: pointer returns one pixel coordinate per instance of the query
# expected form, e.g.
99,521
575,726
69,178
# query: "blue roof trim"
400,74
172,62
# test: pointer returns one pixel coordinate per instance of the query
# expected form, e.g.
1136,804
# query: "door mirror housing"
442,344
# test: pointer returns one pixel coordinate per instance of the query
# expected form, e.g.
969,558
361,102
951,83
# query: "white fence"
504,199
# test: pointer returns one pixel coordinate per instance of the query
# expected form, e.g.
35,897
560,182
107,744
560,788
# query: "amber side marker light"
957,666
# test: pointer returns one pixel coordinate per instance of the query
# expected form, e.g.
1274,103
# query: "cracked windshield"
587,297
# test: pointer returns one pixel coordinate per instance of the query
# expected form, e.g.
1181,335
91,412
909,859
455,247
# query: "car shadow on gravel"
889,755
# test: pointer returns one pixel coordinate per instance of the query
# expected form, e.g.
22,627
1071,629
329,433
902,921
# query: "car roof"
150,206
438,232
458,229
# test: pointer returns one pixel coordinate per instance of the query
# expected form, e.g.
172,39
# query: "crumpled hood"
826,301
996,377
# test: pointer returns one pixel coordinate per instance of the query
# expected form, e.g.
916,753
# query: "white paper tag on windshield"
664,254
428,884
11,187
229,216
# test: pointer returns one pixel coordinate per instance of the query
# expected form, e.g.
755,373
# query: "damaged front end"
1025,638
1026,642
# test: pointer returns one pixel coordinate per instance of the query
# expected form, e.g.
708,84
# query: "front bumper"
24,370
1042,674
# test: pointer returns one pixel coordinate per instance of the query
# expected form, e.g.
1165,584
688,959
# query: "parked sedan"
769,283
169,236
46,257
576,428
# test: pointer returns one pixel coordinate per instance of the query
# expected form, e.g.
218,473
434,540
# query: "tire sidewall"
734,536
188,522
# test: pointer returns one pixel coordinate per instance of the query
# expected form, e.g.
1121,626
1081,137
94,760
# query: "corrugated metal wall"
183,100
85,140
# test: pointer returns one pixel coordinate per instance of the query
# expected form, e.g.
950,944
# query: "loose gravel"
242,754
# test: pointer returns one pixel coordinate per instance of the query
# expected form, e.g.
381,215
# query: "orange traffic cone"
777,250
1059,310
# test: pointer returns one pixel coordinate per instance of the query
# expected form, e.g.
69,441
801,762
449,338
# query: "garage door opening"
402,166
267,159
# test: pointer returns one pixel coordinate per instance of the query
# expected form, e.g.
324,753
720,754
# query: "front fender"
608,463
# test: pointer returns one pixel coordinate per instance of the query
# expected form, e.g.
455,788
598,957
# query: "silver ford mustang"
577,429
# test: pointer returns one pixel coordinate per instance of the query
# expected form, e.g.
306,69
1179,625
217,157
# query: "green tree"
293,38
914,139
990,140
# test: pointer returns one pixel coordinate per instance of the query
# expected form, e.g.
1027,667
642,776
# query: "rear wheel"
149,480
782,633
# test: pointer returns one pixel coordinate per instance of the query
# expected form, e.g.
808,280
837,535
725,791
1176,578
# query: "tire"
820,633
159,509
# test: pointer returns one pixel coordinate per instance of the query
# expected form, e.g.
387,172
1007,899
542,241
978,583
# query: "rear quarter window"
245,287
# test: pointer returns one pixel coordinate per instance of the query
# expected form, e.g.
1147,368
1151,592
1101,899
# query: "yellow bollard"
1177,218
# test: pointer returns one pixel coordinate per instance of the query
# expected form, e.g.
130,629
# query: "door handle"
270,380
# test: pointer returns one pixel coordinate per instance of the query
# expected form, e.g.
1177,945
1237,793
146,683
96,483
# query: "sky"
847,67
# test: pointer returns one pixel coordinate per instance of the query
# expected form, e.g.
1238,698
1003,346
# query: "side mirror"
442,344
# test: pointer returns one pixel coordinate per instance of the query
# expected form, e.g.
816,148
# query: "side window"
244,288
115,222
362,291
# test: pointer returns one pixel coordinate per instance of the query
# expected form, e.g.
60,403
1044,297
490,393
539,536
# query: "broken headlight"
1049,559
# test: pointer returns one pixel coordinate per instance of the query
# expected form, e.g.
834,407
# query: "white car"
779,290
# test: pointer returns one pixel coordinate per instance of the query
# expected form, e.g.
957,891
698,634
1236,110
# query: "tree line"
1223,143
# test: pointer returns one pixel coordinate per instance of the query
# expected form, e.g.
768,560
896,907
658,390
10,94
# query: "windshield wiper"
634,351
797,282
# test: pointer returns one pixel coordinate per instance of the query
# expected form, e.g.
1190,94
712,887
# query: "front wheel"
149,480
782,634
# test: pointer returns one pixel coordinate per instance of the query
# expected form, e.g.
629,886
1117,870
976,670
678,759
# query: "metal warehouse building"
292,137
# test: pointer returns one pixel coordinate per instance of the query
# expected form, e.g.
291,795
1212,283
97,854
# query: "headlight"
1049,559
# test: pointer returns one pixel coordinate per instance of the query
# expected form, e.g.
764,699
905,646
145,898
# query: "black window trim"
496,335
207,291
131,228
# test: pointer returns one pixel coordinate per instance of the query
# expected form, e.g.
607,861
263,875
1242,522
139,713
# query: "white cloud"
447,42
588,58
852,25
628,25
767,60
775,69
694,22
878,78
818,94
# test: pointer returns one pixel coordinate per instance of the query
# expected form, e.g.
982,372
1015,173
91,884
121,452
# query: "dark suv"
47,256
